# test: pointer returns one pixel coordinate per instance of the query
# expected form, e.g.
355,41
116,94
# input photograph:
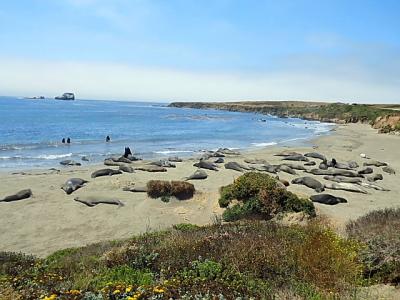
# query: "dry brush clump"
260,195
379,231
180,189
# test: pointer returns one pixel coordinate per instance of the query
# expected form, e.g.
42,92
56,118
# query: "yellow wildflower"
128,289
116,292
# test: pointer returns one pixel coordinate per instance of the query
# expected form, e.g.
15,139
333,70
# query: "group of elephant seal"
71,185
23,194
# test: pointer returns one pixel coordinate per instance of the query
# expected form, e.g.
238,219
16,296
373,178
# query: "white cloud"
114,81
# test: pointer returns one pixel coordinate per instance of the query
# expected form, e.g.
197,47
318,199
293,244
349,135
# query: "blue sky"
202,50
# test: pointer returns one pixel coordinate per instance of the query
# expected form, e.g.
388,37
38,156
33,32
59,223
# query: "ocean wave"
173,151
52,156
264,144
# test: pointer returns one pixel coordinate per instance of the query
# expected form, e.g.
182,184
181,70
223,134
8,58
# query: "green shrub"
260,195
185,227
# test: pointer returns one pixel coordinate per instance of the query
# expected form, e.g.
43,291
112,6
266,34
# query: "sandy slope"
52,220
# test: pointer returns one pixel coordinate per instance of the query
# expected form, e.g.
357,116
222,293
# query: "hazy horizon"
224,50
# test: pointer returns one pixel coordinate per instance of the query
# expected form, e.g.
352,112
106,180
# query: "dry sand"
52,220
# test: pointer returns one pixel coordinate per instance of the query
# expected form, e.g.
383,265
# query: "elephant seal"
295,167
227,151
373,186
283,181
256,161
350,187
151,168
219,160
299,157
327,199
388,170
285,168
70,162
72,184
126,169
287,153
343,179
323,165
94,200
85,158
111,162
353,164
206,165
163,163
367,170
136,189
347,173
375,177
105,172
271,168
122,159
309,182
23,194
315,155
197,175
232,165
374,163
310,163
174,159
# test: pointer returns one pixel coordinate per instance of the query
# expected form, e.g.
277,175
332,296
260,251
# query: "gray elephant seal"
151,168
350,187
375,177
289,170
94,200
271,168
374,163
69,162
219,160
327,199
110,162
175,159
389,170
256,161
315,155
310,163
367,170
136,189
323,165
122,159
72,184
334,172
23,194
197,175
227,151
373,186
206,165
126,169
287,153
163,163
299,157
105,172
343,179
295,167
232,165
310,182
353,164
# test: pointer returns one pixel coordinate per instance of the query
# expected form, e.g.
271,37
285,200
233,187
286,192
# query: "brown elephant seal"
298,157
72,184
315,155
94,200
309,182
23,194
287,153
126,169
174,159
327,199
105,172
151,168
295,167
256,161
388,170
367,170
206,165
287,169
163,163
345,186
374,163
197,175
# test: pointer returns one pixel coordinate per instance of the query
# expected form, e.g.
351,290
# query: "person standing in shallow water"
63,141
108,139
68,141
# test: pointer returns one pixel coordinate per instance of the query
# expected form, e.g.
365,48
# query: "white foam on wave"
53,156
264,144
172,151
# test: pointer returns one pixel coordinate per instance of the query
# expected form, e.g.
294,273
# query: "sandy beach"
51,220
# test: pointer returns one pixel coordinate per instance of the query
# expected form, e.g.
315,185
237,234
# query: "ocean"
31,131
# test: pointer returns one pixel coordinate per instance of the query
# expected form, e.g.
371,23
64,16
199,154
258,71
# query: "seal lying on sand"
151,168
323,165
206,165
389,170
256,161
110,162
373,186
294,166
310,163
70,162
309,182
197,175
126,168
315,155
298,157
233,165
219,160
367,170
287,169
350,187
227,151
72,184
105,172
287,153
334,172
136,189
94,200
327,199
23,194
374,163
375,177
163,163
175,159
343,179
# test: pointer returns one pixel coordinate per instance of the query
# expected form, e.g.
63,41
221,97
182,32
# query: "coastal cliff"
385,118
